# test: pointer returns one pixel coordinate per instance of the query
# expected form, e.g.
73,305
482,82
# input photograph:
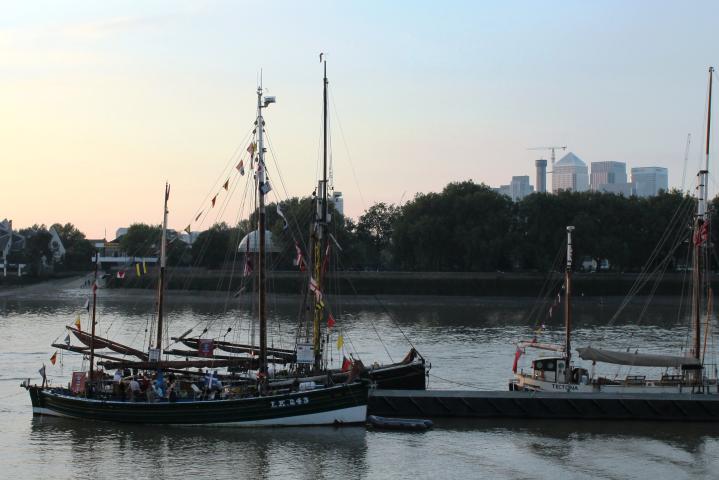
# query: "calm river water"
469,343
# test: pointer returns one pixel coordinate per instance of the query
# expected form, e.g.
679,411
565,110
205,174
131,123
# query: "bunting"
87,304
199,215
251,149
77,323
53,359
137,269
330,321
340,342
214,199
282,215
315,288
120,275
265,188
299,261
144,268
241,167
248,268
226,185
67,339
188,229
326,260
702,234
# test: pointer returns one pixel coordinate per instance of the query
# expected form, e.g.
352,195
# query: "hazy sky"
102,102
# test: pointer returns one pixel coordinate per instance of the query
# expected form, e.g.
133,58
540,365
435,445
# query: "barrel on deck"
544,405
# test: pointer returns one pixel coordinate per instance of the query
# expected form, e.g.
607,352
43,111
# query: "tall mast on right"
701,231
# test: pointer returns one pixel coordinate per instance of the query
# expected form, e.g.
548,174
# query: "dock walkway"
545,405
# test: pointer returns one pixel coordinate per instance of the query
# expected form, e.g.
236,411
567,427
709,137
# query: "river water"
469,343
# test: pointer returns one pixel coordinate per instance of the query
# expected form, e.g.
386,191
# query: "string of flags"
282,216
299,260
240,167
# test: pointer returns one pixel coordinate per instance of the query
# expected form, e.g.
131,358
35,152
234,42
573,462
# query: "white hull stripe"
357,414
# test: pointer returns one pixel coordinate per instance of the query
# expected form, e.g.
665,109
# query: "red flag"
53,359
346,364
248,267
326,260
517,354
120,275
702,234
330,321
299,261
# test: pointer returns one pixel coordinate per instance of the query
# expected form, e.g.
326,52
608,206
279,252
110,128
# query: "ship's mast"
320,232
163,264
261,191
92,329
568,299
700,235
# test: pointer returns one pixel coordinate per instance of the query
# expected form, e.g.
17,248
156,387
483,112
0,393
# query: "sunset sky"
102,102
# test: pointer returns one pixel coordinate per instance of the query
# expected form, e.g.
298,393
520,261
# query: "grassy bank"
413,283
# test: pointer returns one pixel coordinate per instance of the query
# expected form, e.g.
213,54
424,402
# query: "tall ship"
155,390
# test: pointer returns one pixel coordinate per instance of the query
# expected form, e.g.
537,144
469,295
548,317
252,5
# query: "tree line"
465,227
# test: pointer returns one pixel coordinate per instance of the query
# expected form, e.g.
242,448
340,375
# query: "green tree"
141,240
78,250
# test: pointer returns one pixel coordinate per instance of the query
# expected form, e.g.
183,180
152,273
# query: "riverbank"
472,284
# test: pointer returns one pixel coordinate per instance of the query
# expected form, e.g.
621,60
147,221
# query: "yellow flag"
144,268
340,342
137,269
77,322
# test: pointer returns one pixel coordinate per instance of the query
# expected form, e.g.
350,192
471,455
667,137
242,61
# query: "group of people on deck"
139,387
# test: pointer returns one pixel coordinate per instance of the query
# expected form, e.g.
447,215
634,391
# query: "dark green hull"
337,404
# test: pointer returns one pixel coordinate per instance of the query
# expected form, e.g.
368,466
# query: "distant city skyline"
101,103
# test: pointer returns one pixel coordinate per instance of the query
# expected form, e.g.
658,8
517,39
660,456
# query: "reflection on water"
470,341
204,452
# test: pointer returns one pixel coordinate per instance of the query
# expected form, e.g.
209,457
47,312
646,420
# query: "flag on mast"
282,215
53,359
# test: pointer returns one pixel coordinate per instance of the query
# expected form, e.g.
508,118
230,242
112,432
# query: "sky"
101,103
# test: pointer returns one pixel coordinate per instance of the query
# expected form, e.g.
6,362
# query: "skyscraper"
570,173
541,180
607,173
520,187
648,181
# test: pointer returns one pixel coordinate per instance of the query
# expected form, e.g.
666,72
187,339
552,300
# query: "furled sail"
635,359
100,342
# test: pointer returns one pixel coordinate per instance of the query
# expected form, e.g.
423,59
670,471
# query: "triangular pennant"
226,185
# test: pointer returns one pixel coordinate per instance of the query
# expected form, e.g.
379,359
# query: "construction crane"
553,149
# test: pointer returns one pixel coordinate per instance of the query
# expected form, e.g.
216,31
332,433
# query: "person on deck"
134,389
